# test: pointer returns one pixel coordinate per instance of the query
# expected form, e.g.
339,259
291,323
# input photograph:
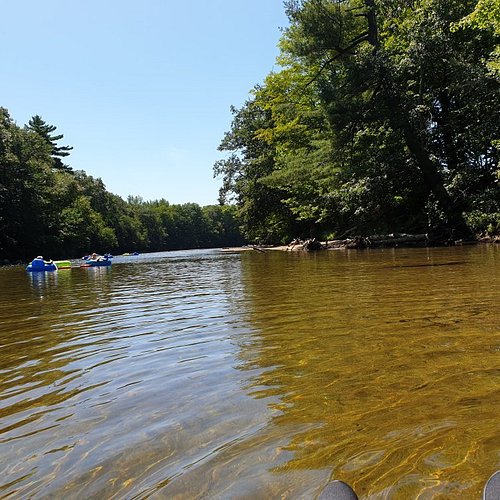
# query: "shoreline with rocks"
393,240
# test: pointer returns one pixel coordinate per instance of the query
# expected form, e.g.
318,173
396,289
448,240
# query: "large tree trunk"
433,179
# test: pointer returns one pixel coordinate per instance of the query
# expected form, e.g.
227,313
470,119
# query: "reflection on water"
201,374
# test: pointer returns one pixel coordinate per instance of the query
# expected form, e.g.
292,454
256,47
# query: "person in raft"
96,258
40,259
40,262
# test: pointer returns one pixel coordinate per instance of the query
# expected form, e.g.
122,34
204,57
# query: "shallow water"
200,374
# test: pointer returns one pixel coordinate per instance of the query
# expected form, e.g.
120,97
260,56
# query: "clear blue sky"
140,89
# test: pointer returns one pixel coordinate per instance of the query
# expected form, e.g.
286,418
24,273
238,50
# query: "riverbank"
393,240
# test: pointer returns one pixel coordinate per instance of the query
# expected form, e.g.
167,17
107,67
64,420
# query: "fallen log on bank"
312,245
383,241
392,240
373,241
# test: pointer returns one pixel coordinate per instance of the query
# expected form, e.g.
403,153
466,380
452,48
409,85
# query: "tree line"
48,208
383,117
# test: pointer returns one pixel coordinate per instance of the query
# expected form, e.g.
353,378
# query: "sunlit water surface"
201,374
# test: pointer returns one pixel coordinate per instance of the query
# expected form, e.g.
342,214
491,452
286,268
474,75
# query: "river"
202,374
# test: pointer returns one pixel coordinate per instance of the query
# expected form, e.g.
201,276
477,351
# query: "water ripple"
200,374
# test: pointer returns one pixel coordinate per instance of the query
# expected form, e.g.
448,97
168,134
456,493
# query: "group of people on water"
94,257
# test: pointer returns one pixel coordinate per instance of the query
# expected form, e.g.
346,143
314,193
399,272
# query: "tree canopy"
383,117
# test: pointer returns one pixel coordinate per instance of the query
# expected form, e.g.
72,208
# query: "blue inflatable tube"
96,263
40,267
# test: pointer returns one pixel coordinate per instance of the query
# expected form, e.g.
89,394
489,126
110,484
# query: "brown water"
200,374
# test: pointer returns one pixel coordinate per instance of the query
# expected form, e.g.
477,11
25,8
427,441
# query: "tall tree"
44,130
264,217
26,191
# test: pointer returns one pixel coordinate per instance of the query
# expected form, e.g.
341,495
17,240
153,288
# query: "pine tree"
44,130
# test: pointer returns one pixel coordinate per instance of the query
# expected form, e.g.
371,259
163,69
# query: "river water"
203,374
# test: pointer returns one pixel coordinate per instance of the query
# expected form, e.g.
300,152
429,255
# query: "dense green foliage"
47,208
384,117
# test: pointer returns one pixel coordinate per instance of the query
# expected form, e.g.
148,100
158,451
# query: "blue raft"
96,263
40,266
